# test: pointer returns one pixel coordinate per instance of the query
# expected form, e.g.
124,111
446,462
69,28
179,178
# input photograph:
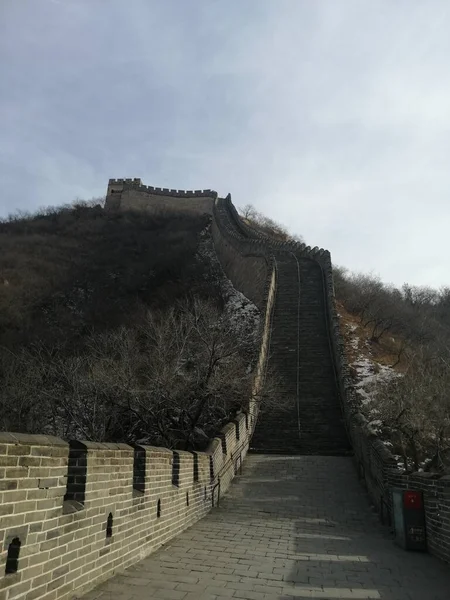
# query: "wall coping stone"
7,437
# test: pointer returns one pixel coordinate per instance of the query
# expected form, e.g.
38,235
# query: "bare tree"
414,411
267,225
249,212
173,379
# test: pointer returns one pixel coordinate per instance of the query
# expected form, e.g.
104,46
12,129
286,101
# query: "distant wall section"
247,263
131,194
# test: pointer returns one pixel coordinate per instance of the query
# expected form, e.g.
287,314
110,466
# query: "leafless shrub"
173,379
60,267
419,315
414,411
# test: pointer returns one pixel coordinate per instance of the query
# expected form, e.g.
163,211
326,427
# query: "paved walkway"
290,528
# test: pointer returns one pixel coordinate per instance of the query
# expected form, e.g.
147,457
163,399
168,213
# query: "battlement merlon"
119,185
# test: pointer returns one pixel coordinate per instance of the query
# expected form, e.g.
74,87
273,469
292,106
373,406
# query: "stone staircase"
301,355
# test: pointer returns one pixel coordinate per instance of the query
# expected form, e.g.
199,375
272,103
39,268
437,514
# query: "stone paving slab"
291,528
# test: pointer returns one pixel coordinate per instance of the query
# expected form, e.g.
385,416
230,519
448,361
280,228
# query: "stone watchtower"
131,194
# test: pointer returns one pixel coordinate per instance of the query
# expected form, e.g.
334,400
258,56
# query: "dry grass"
385,352
74,270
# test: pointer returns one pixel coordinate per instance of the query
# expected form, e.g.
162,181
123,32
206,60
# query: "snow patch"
370,376
354,339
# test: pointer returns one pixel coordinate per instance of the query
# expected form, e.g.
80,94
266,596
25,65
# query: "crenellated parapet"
75,513
149,189
132,194
298,248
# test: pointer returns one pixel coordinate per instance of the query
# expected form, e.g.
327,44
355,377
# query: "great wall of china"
73,514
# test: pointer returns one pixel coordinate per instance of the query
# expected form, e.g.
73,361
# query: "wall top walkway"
292,528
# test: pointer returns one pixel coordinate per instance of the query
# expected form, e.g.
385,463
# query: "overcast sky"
330,116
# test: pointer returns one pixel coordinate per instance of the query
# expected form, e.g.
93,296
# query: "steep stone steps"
301,355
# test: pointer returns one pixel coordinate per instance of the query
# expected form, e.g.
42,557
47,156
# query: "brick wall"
69,545
131,194
137,200
247,264
378,471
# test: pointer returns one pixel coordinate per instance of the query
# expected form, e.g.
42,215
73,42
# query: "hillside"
71,270
397,345
120,327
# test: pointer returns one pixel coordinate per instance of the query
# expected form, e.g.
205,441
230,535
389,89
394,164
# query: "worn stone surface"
310,420
292,527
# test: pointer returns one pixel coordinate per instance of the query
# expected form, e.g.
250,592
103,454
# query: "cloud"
330,117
